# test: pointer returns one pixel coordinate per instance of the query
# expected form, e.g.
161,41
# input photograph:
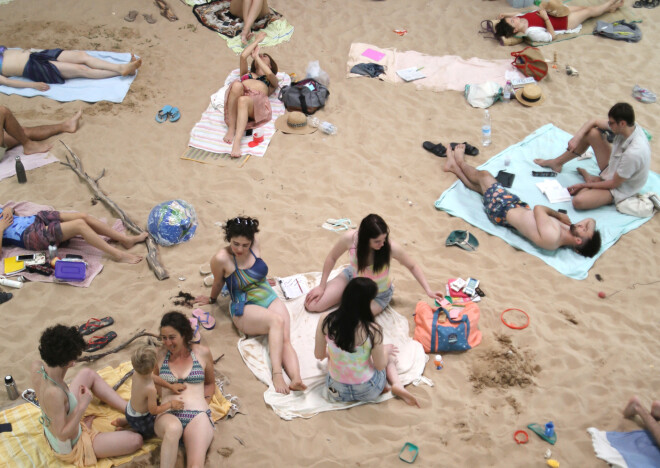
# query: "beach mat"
635,449
30,161
546,142
207,157
254,351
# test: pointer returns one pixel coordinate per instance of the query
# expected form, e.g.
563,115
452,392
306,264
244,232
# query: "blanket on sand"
108,89
448,72
26,445
635,449
254,351
30,161
546,142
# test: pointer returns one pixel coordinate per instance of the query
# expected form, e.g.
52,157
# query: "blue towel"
546,142
635,449
108,89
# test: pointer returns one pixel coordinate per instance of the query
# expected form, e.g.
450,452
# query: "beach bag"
305,96
619,30
483,95
530,62
458,334
638,205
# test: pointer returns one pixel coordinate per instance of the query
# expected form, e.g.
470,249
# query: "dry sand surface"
578,362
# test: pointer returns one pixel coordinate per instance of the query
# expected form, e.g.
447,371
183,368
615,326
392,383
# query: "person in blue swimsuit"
255,307
182,362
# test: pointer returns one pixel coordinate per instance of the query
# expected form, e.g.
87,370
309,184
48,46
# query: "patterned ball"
172,222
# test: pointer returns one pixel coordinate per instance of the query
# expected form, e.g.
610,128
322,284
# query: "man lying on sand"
37,232
57,65
13,134
545,227
624,165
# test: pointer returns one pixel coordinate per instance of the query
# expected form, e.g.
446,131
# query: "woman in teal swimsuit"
255,309
181,362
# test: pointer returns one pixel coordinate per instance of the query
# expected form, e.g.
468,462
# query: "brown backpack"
530,62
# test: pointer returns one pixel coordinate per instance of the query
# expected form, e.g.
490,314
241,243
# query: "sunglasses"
246,221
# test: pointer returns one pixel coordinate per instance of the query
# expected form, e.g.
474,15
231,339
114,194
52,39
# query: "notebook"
13,266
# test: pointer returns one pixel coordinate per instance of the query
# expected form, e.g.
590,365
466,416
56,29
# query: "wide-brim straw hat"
530,95
294,122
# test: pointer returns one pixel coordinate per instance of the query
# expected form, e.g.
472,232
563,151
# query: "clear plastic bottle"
328,128
20,171
507,93
486,129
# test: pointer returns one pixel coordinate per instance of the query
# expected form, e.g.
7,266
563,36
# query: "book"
13,266
554,191
294,286
410,74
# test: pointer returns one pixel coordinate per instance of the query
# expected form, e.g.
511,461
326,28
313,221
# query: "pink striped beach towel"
30,161
207,134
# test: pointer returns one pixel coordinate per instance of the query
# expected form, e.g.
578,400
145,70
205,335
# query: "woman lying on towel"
183,362
551,19
255,307
63,406
249,11
246,100
357,372
370,251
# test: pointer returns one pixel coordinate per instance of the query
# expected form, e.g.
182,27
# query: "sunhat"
294,122
530,95
463,239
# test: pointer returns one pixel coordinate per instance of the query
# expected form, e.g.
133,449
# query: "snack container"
70,271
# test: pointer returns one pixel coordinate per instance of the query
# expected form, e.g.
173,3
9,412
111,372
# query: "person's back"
631,159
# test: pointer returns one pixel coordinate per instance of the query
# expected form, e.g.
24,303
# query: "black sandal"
439,150
99,342
469,149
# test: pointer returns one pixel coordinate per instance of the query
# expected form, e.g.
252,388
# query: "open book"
410,74
552,189
294,286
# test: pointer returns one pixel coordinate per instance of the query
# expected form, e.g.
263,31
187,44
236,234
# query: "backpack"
458,334
530,62
306,96
619,30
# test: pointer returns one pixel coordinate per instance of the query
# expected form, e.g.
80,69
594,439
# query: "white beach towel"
30,161
254,351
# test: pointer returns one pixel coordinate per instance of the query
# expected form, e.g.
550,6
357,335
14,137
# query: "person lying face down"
543,226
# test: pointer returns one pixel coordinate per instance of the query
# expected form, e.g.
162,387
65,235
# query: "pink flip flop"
205,319
197,336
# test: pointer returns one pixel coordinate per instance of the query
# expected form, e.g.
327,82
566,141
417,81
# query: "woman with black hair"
359,364
370,251
255,307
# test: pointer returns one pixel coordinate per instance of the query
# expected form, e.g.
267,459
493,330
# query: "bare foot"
655,409
279,384
125,257
588,177
73,124
244,37
236,149
132,240
631,408
119,423
549,163
297,385
88,420
615,6
450,164
229,136
459,152
131,67
33,147
405,395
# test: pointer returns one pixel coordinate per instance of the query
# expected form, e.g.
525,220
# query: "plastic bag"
483,95
315,71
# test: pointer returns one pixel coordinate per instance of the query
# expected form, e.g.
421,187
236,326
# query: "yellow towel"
26,445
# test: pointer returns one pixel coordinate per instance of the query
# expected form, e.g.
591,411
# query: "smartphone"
5,427
544,174
74,256
505,178
560,210
471,286
25,257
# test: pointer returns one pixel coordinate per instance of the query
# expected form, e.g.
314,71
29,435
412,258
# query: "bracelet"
280,372
212,300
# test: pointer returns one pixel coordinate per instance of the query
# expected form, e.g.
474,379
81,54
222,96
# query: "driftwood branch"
215,361
75,164
95,357
123,379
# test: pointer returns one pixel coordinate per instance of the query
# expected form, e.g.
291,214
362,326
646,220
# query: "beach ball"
172,222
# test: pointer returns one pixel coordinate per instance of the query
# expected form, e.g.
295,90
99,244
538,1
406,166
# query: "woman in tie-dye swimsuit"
255,307
370,251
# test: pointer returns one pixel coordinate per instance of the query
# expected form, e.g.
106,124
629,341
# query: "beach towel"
26,445
546,142
107,89
635,449
448,72
207,134
30,161
254,351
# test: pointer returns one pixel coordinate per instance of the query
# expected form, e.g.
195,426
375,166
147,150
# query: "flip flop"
163,114
208,281
469,149
338,225
99,342
204,318
94,324
148,18
175,114
130,17
205,269
439,150
197,336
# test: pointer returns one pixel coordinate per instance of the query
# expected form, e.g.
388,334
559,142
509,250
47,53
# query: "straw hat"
294,122
530,95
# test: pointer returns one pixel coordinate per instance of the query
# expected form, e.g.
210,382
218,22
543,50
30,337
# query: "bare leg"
42,132
9,123
197,438
99,388
78,64
249,10
594,139
245,109
169,428
120,423
235,91
635,407
289,355
332,295
474,179
114,444
587,199
397,388
655,410
579,15
454,168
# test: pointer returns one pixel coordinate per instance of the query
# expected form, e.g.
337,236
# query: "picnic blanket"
635,449
448,72
546,142
26,445
107,89
254,351
207,134
30,161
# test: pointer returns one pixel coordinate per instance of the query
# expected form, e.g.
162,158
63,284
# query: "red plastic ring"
515,327
520,441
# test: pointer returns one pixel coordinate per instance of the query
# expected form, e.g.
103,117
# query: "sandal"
94,324
205,269
100,342
469,149
337,225
163,114
197,336
208,281
148,18
130,17
439,150
204,319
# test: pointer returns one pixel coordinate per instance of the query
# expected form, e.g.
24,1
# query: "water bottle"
10,385
20,171
11,283
486,130
328,128
508,91
52,251
438,362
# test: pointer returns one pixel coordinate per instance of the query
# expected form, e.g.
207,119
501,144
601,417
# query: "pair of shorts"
382,298
367,391
260,107
45,230
142,424
39,67
498,201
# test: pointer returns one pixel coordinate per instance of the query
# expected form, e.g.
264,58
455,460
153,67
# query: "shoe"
175,114
94,324
99,342
439,150
204,319
643,95
130,17
5,296
469,149
163,114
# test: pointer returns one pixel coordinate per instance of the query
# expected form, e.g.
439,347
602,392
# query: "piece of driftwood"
123,379
75,164
94,357
215,361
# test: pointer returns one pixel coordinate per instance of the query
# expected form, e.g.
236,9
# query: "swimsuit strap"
44,419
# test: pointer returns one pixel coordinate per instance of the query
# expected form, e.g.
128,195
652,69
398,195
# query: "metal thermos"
10,385
20,171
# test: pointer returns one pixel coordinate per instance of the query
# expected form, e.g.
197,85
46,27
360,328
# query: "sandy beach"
578,362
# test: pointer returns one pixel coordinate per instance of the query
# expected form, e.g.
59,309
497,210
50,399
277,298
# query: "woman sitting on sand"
249,11
57,65
370,251
540,26
246,100
357,372
255,309
181,361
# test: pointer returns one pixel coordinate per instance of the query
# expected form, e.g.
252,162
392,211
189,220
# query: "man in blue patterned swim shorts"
545,227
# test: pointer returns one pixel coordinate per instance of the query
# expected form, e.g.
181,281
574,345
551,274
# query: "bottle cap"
9,380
